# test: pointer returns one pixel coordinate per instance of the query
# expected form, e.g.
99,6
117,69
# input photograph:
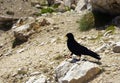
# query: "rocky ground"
17,8
46,49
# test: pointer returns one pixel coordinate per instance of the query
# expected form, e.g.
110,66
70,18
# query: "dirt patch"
17,8
39,53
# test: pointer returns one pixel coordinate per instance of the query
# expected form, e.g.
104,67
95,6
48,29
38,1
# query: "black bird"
78,49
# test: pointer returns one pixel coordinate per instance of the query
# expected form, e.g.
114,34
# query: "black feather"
78,49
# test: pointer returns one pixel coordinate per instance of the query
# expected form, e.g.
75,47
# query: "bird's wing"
83,49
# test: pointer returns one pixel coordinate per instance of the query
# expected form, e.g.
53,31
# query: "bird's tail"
95,55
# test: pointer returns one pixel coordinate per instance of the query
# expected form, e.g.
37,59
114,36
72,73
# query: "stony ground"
46,49
17,8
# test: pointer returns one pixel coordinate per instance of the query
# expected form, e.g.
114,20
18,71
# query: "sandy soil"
45,50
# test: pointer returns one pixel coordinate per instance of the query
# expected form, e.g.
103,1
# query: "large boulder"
80,72
25,27
106,6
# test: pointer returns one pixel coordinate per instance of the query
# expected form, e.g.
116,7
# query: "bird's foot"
74,60
83,60
68,56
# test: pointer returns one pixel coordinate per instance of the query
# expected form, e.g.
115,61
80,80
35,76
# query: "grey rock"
20,76
39,79
38,6
35,2
80,72
69,3
43,43
106,6
53,40
116,49
31,79
50,20
35,73
24,28
83,5
8,53
62,69
21,50
5,18
101,48
118,44
116,21
65,5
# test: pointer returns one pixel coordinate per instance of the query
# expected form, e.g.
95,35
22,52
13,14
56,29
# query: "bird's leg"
70,56
83,58
79,57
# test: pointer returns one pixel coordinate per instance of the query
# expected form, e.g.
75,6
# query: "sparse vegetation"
47,10
98,36
86,22
67,8
55,5
47,47
111,29
58,57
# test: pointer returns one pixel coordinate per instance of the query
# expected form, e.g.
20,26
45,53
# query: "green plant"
110,28
67,8
98,36
86,22
55,5
47,10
